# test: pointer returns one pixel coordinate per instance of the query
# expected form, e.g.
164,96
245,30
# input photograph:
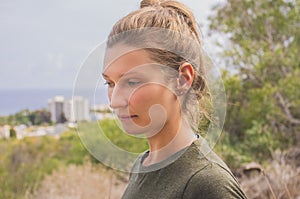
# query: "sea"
15,100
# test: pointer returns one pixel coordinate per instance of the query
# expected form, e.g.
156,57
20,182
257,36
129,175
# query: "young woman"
154,70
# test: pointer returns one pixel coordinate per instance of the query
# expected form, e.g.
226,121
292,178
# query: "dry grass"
81,182
279,180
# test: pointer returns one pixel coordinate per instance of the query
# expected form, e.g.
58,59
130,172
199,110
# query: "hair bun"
149,3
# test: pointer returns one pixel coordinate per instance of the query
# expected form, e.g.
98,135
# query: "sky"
44,43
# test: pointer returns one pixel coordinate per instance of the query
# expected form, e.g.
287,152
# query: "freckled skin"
146,104
138,99
142,99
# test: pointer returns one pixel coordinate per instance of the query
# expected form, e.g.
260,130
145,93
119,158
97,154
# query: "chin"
136,128
134,131
139,131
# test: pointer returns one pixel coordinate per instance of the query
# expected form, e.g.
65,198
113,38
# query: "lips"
126,117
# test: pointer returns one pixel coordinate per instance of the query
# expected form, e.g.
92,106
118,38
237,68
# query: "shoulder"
212,179
213,182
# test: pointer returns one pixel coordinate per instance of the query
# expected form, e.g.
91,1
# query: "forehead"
136,60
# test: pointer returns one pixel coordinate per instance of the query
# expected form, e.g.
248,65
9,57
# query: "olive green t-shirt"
192,173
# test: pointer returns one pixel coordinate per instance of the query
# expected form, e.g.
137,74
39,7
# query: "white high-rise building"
56,108
74,110
77,109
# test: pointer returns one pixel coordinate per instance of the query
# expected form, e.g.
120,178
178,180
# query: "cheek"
147,96
140,98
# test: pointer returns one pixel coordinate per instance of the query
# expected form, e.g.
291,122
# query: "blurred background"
254,43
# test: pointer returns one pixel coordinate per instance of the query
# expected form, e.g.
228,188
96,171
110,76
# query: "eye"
109,84
133,82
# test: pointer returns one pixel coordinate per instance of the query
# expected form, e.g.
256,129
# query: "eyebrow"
124,74
104,75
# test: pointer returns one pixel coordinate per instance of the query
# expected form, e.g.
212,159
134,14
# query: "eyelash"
133,83
129,83
109,84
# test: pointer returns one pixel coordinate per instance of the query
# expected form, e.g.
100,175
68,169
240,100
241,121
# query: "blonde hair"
182,29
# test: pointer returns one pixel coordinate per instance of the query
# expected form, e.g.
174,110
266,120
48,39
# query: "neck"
168,141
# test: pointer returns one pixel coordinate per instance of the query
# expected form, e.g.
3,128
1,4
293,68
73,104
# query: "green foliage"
38,117
259,141
121,139
32,158
25,162
21,117
258,145
106,141
232,153
263,95
12,133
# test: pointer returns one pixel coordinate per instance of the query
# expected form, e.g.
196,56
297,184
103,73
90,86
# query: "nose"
118,98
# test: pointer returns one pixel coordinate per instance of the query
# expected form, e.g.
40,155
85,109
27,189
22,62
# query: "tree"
21,117
39,117
12,133
264,38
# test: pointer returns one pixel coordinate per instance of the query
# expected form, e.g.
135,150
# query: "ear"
186,77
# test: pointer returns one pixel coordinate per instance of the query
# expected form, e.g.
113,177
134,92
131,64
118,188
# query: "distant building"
4,131
20,130
100,112
104,108
56,108
72,110
77,109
